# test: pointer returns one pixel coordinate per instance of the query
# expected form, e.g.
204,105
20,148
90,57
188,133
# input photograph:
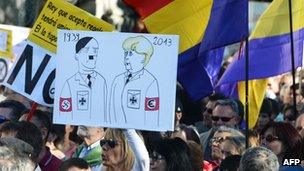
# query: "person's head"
20,147
187,133
289,114
300,124
56,136
90,134
226,113
178,111
10,110
207,112
42,120
299,94
264,115
218,138
259,158
10,160
74,164
283,139
137,53
230,163
253,138
170,155
117,152
196,156
25,131
275,108
86,53
234,145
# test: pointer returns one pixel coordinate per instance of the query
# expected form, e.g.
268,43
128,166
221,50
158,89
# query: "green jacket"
93,157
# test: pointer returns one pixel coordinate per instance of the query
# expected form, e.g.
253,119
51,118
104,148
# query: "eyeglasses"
270,138
156,156
3,119
217,139
208,110
224,119
111,143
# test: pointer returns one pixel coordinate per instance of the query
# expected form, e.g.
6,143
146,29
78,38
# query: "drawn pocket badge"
82,100
133,99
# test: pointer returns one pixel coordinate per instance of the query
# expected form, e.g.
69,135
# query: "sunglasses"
217,140
111,143
3,119
270,138
208,110
156,156
224,119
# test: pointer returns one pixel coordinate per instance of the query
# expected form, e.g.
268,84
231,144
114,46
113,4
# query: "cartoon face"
133,61
87,56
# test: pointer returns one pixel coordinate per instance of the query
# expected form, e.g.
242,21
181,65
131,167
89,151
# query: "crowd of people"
218,141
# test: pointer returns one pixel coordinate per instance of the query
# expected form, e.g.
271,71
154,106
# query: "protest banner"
58,14
128,83
18,33
33,72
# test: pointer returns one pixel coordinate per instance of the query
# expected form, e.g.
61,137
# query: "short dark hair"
43,119
217,96
17,108
231,163
74,162
82,43
229,102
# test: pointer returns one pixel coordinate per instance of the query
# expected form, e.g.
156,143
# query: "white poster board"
120,80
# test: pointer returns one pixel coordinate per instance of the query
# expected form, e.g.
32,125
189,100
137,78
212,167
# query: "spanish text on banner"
58,14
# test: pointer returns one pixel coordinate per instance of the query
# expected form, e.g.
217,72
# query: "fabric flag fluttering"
203,27
269,52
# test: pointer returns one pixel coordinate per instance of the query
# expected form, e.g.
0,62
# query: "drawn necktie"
89,82
128,79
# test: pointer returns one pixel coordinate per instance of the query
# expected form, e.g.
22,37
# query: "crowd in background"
216,142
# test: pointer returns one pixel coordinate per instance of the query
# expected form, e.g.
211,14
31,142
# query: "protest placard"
5,43
18,33
10,36
58,14
128,83
33,72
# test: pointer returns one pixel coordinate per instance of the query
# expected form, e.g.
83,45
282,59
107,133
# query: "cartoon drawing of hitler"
86,85
134,97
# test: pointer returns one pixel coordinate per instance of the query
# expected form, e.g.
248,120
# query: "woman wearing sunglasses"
170,155
123,150
284,140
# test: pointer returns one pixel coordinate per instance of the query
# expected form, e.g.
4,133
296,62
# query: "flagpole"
293,71
246,91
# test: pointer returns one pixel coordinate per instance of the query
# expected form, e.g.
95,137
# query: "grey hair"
229,102
10,160
238,142
259,158
234,132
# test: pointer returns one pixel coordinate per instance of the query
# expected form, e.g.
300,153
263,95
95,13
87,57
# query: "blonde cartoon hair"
140,45
128,155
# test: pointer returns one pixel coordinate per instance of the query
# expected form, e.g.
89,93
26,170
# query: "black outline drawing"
137,80
86,80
